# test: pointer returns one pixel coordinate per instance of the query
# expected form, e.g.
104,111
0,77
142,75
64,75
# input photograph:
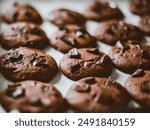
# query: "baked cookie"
138,86
27,64
100,11
140,7
130,57
110,32
97,95
22,12
61,17
145,24
85,62
72,36
32,96
23,34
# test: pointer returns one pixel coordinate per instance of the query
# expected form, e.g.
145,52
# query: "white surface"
44,7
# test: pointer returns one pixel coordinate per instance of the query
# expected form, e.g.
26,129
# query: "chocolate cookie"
85,62
145,24
72,36
32,96
138,86
27,64
97,95
140,7
61,17
99,11
23,34
130,57
111,31
22,12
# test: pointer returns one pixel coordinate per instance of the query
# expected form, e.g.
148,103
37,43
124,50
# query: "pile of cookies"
31,69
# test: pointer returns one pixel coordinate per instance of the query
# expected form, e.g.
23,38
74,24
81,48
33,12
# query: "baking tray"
44,7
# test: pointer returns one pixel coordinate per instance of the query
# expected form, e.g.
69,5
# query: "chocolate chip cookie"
23,34
72,36
85,62
97,95
22,13
110,32
138,86
140,7
62,16
100,11
32,96
130,57
27,64
145,24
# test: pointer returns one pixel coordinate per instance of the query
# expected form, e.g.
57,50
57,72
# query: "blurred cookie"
145,24
23,34
85,62
97,95
72,36
111,31
140,7
22,13
100,11
138,86
61,17
130,57
32,96
27,64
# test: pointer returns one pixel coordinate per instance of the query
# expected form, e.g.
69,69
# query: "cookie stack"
30,68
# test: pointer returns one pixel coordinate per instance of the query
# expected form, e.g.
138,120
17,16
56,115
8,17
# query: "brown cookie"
130,57
110,32
23,34
100,11
145,24
22,13
97,95
61,17
138,86
72,36
140,7
27,64
85,62
32,96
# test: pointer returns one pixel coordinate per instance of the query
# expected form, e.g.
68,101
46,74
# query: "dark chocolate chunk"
146,87
75,67
73,53
94,51
90,81
83,88
69,40
138,73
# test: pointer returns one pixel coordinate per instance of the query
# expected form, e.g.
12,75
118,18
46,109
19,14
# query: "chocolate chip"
83,88
146,87
138,73
90,81
18,93
119,45
103,97
73,53
102,61
94,51
69,40
16,57
40,61
75,67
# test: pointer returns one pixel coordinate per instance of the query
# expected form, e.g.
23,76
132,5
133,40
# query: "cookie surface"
61,17
138,86
85,62
140,7
23,34
130,57
72,36
32,96
110,32
97,95
27,64
100,11
22,13
145,24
